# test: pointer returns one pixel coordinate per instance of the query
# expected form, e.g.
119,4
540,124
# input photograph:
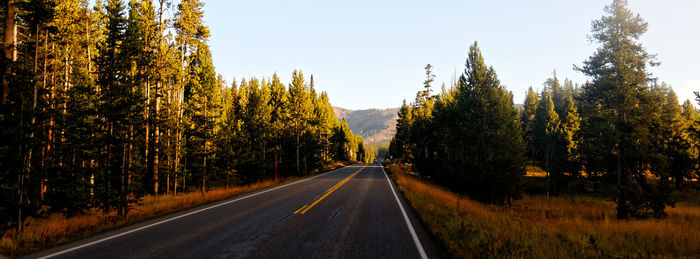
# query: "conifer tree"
120,105
546,129
300,110
556,133
202,105
9,47
618,107
675,144
230,139
322,124
279,118
691,121
429,78
190,33
527,117
135,56
400,146
485,152
569,137
343,141
100,107
256,118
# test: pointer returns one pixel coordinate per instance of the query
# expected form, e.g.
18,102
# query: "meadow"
567,226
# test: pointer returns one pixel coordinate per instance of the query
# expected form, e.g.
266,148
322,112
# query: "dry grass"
43,233
562,227
534,171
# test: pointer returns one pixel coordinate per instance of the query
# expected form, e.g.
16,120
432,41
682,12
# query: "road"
351,212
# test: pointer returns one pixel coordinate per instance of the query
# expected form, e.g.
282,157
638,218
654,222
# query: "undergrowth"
560,227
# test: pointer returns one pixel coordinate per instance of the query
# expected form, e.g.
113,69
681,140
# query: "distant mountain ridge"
374,125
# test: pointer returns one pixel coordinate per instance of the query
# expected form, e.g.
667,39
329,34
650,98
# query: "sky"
372,54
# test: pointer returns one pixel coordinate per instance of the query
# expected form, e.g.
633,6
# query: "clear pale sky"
371,54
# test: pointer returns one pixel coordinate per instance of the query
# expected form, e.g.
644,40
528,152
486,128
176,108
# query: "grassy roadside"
56,229
562,227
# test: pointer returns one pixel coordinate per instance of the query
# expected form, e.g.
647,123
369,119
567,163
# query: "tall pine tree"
618,106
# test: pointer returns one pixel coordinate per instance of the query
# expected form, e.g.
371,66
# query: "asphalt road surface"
351,212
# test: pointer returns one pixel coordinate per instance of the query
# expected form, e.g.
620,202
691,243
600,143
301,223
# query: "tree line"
103,103
621,128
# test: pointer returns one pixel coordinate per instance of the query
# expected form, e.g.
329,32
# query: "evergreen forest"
624,130
105,102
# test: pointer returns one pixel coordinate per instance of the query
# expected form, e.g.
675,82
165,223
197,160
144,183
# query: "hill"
374,125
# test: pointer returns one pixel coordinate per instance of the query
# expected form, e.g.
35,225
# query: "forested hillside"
374,125
104,103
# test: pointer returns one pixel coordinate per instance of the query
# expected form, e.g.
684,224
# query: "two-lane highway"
353,211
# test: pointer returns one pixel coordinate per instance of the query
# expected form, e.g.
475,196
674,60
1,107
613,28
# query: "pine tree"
691,139
139,50
230,145
256,118
421,128
484,154
74,126
527,117
546,129
202,106
429,78
191,33
22,109
10,47
120,104
618,106
400,146
569,137
556,133
327,121
279,118
674,143
343,141
300,110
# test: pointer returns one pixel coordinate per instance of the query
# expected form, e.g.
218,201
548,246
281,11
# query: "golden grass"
534,171
41,233
561,227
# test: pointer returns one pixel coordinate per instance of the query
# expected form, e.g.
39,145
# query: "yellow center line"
335,186
306,208
302,207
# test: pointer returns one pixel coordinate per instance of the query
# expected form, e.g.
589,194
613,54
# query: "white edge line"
421,251
178,217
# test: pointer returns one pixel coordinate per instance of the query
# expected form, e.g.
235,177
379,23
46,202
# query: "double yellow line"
307,207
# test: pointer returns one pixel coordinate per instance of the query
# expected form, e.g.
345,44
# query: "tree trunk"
622,210
204,176
10,45
36,52
147,152
177,137
129,166
156,142
87,37
184,177
167,174
547,154
122,188
156,148
204,150
52,105
298,146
